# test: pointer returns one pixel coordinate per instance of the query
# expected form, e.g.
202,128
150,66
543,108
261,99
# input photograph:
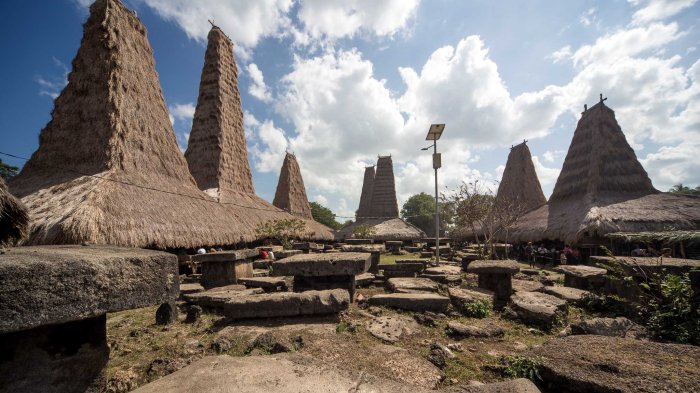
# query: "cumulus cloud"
257,87
181,118
182,112
547,176
658,9
269,145
335,19
671,165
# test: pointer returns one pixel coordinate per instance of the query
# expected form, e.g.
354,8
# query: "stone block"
364,279
494,267
526,285
354,242
571,295
538,309
287,304
56,284
460,297
320,283
287,253
322,264
267,283
412,301
583,277
411,285
217,297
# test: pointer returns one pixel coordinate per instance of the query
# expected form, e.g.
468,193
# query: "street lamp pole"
434,134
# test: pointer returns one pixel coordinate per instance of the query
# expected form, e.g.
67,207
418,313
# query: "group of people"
535,252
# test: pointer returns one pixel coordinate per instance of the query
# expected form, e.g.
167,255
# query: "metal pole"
437,212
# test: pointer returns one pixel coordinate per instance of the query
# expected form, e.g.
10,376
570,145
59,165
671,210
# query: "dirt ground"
142,351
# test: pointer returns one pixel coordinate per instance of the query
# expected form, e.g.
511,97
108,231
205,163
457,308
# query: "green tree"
283,231
363,231
7,170
681,189
419,210
324,215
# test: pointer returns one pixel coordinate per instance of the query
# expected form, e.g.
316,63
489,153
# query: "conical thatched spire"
384,202
366,197
600,164
291,194
520,189
216,153
108,169
13,217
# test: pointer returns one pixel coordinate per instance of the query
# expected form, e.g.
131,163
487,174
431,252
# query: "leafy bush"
476,309
281,230
673,312
523,367
363,231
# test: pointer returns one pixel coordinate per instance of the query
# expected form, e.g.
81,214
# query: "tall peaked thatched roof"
14,218
603,188
384,202
519,185
366,196
108,169
291,194
217,154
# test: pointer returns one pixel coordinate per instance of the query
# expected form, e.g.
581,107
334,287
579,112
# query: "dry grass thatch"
385,229
602,189
14,218
519,185
290,195
366,197
108,169
384,202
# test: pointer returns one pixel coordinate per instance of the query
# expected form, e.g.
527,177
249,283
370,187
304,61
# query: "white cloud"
258,88
335,19
182,112
269,147
53,85
546,175
671,165
245,22
588,17
658,9
321,200
553,155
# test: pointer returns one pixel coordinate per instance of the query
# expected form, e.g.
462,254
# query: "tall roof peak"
520,188
290,194
384,202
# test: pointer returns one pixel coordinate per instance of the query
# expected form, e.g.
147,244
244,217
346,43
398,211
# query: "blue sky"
339,82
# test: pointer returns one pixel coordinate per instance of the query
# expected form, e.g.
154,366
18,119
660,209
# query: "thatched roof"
603,188
385,229
290,195
519,187
108,169
384,202
366,197
217,154
14,218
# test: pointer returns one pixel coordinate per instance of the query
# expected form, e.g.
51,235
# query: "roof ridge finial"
602,99
211,22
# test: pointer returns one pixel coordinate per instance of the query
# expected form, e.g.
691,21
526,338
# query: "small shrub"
673,314
523,367
476,309
343,327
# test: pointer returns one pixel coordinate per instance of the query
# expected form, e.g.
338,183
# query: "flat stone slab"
363,248
286,253
537,308
354,242
598,364
287,304
412,301
461,296
313,265
571,295
493,267
56,284
264,282
226,256
461,330
393,243
424,261
217,297
364,279
189,288
612,327
445,269
526,285
391,329
286,373
583,271
403,267
411,285
520,385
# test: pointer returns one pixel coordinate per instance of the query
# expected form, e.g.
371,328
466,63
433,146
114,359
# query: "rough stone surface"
413,267
412,301
267,283
460,297
322,264
599,364
166,314
526,286
391,329
538,309
191,288
55,284
364,279
583,271
322,283
494,267
460,330
226,256
411,285
286,253
571,295
193,313
287,304
217,297
611,327
445,270
520,385
284,373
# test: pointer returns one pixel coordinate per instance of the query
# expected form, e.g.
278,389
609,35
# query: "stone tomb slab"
495,276
225,267
269,284
315,265
364,279
583,277
53,301
571,295
412,301
286,304
412,285
217,297
538,309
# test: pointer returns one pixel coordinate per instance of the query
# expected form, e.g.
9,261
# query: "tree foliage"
681,189
419,210
324,215
7,171
363,231
283,231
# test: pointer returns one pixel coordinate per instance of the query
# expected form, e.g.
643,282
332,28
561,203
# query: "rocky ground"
423,349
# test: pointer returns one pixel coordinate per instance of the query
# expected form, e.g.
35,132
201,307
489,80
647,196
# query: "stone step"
412,301
571,295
